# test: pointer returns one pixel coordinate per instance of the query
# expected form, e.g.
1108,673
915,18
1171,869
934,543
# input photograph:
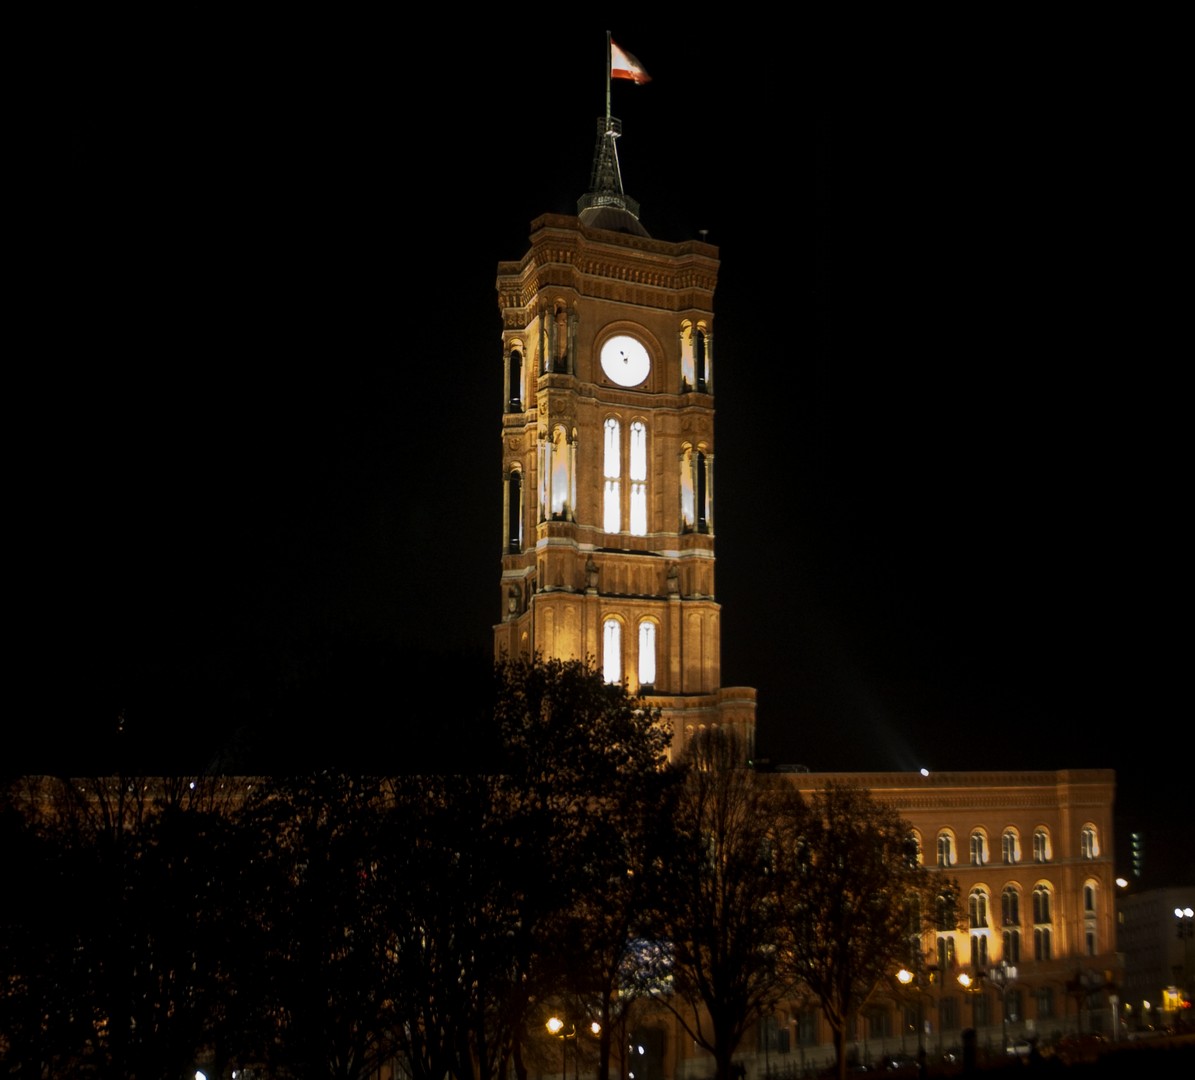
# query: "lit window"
612,468
979,950
1089,899
638,479
1010,844
612,651
1012,946
1041,846
1089,846
695,501
946,953
979,848
558,475
945,849
647,653
1041,943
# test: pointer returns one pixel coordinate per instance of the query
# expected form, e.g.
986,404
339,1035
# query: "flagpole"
609,62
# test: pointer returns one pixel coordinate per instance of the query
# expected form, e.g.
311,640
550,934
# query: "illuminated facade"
1036,951
608,457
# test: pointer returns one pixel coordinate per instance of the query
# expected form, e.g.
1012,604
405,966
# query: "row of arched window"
1010,846
624,505
1042,898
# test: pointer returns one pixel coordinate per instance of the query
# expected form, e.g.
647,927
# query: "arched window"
559,494
979,848
1089,899
1041,904
1010,847
695,495
612,470
1089,844
1041,845
946,953
638,478
945,849
647,653
699,361
1012,946
514,377
915,840
612,651
1010,906
977,909
514,511
979,951
1042,943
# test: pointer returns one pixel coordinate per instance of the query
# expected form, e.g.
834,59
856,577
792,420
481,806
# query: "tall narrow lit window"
612,651
647,653
561,473
945,850
979,848
1010,844
612,469
1089,846
638,479
1041,846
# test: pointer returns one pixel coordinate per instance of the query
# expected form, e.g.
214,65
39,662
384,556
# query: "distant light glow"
925,772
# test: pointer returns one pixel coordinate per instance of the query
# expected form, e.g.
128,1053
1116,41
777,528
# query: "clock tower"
608,456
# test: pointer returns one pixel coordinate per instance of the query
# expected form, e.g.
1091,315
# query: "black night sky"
258,490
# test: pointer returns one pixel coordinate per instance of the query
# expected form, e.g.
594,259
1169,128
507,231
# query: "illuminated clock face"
625,360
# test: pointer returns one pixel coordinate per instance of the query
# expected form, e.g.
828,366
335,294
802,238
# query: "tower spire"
606,205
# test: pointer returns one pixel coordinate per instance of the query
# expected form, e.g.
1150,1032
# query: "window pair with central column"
612,468
612,651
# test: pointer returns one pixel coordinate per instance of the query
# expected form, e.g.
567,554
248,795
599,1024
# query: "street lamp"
906,978
1002,974
555,1027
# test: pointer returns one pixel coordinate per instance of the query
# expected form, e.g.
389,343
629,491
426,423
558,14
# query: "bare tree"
724,924
854,908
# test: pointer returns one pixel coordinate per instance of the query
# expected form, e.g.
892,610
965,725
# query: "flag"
624,66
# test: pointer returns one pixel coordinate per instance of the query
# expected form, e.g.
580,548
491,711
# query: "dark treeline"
324,923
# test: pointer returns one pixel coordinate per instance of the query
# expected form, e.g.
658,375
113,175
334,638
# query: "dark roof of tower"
606,205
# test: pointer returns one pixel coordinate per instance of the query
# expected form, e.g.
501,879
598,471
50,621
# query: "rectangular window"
949,1014
1045,1002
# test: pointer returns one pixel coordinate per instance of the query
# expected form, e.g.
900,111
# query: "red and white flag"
624,66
